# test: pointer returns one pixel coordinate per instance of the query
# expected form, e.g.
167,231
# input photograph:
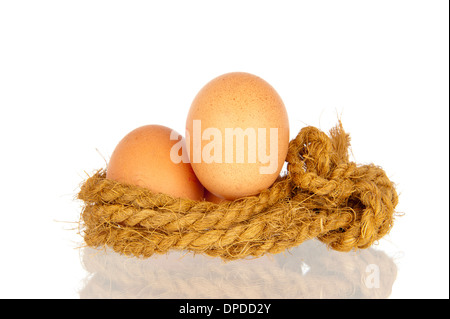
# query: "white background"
76,76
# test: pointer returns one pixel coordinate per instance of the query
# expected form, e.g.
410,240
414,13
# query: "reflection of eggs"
237,131
143,158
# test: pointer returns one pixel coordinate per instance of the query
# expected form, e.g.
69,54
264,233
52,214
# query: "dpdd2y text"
225,308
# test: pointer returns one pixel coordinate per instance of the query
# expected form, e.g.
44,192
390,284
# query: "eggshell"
230,102
143,158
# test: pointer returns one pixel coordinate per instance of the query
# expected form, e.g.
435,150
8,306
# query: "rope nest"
323,195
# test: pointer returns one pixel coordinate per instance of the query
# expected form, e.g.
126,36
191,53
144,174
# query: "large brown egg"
151,157
237,134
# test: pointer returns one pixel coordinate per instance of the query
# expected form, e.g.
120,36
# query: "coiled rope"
323,195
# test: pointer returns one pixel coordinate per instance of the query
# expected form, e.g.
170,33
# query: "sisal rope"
323,195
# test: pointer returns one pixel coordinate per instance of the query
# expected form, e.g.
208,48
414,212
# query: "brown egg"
148,157
210,197
237,134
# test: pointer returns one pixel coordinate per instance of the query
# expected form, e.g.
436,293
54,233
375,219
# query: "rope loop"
319,165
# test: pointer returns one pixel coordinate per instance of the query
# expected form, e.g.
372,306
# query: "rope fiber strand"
323,195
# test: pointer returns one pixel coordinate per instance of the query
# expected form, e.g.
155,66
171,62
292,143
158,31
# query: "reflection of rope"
346,206
308,271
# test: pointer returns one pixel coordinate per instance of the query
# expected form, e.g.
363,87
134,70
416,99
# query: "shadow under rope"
310,270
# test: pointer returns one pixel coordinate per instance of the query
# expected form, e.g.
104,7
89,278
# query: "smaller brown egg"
210,197
149,156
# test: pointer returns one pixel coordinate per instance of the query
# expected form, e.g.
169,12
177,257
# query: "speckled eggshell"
143,158
236,100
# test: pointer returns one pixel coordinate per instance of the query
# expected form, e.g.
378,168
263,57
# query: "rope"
323,196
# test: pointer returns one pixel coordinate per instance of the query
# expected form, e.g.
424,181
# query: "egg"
210,197
151,156
237,135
